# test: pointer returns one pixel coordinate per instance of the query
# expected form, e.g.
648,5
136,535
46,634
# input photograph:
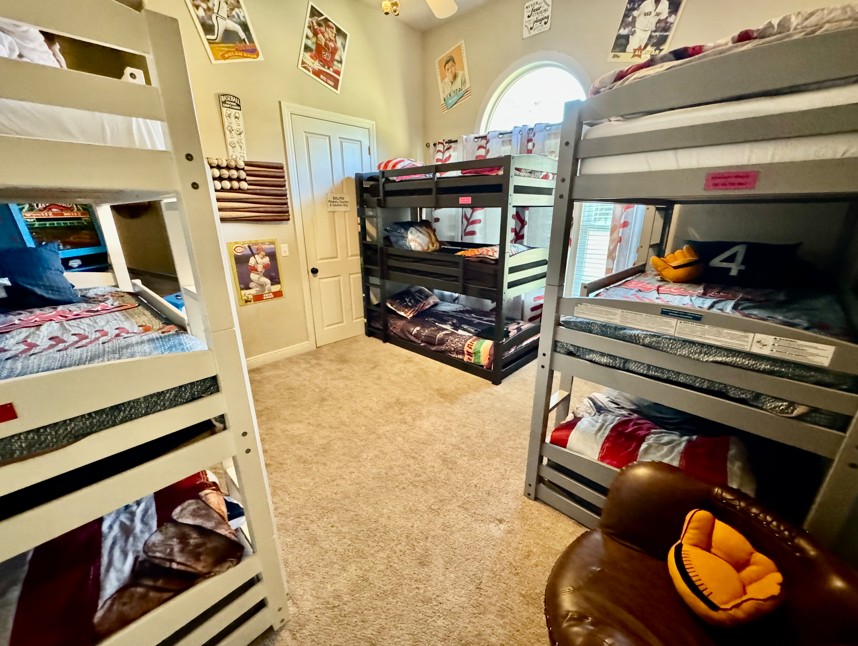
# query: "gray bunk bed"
505,182
733,156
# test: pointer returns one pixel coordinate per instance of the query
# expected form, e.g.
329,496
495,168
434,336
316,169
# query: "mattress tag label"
815,354
648,322
681,314
712,335
7,412
732,180
465,200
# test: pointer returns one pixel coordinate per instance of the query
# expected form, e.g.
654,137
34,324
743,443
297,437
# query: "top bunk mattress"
37,121
836,146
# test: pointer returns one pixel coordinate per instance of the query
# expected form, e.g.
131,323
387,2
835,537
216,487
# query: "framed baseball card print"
224,28
255,270
454,84
645,30
323,49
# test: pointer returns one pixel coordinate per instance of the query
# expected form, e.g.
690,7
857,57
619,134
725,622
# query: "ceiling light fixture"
390,7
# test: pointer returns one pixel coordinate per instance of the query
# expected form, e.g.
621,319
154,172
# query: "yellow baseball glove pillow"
719,574
681,266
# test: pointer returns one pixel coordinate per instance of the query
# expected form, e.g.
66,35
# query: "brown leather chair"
612,587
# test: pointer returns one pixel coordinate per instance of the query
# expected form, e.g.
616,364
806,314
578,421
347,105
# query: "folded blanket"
29,43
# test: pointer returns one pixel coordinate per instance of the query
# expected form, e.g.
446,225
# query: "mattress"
814,312
125,564
37,121
825,147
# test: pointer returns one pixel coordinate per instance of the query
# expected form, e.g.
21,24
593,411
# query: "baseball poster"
645,29
224,27
256,270
323,49
233,126
453,81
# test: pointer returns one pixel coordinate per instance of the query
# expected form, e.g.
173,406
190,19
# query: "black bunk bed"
401,195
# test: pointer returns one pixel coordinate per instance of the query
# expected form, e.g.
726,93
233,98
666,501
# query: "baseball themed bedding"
458,332
802,24
612,429
98,578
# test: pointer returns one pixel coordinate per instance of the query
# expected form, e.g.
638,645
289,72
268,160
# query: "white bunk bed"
143,145
696,135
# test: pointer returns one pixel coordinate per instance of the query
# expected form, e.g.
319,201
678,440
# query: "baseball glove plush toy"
681,266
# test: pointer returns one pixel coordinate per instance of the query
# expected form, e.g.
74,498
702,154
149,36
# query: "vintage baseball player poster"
224,27
645,29
454,83
256,270
323,49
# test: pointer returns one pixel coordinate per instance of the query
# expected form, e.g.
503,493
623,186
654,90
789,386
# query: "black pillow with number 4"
751,264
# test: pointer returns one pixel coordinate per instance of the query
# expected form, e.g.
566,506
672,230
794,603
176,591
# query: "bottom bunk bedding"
617,430
125,564
459,332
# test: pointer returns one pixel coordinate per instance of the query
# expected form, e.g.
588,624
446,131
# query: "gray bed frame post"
503,271
558,251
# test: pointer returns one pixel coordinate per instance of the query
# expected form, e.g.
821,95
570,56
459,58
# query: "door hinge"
368,151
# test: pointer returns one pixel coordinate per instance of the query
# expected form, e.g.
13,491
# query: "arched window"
534,94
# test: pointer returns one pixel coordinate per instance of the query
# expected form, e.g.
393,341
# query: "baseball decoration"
256,270
646,28
259,195
323,49
224,28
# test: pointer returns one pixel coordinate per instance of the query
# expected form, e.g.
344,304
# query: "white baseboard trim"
277,355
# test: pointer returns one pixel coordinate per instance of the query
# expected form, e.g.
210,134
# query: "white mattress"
839,146
22,119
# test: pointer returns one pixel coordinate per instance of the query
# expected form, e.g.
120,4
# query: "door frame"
288,110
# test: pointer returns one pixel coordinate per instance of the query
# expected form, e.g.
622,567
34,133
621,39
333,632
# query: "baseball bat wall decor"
249,191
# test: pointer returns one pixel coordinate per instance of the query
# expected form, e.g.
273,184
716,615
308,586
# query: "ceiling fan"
441,8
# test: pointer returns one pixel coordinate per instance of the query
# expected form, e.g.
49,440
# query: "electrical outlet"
284,249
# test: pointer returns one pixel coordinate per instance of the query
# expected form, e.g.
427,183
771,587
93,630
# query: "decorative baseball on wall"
250,191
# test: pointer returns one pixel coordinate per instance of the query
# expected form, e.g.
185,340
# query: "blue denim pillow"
37,278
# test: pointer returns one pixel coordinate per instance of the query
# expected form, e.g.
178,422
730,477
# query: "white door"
327,156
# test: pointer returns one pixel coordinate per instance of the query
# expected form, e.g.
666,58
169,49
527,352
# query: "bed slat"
106,384
572,486
103,22
111,441
225,617
24,81
163,621
24,531
33,170
566,506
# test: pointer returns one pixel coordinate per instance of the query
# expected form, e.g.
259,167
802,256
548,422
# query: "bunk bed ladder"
204,261
558,256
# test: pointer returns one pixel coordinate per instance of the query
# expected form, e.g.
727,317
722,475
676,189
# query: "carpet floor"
397,485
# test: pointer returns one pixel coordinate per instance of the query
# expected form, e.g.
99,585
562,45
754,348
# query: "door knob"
314,270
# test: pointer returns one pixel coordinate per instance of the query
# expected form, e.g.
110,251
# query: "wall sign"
339,202
323,49
645,29
256,270
233,126
537,17
224,28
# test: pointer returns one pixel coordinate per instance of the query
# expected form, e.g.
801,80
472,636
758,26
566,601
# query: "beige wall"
583,29
381,83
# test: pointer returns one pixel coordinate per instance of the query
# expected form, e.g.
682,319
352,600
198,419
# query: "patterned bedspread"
813,311
109,325
457,332
801,24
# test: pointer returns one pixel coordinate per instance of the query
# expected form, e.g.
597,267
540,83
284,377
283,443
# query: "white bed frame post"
216,306
558,252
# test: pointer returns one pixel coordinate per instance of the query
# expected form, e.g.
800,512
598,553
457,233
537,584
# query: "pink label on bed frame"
738,180
7,412
464,200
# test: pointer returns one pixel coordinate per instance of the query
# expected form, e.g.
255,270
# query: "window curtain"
528,225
